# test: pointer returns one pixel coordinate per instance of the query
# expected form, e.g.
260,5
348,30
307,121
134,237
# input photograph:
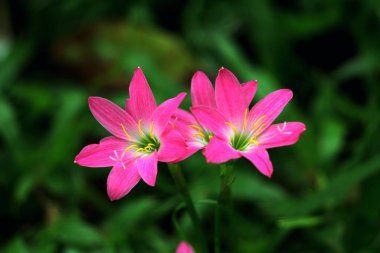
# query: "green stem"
223,208
180,181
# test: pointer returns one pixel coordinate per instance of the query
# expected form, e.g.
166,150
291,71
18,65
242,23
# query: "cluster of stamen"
147,143
203,135
242,140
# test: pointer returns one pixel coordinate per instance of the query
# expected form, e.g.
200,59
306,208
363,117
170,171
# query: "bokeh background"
324,194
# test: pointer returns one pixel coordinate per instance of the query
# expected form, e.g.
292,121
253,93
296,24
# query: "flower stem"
180,182
223,208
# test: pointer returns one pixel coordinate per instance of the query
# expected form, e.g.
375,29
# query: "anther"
125,132
151,130
232,126
196,127
139,128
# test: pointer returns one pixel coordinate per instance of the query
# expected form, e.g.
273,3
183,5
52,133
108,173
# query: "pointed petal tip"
288,92
112,198
138,71
221,68
269,174
182,95
198,74
91,99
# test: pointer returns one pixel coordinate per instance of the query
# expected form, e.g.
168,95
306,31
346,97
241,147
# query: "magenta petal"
260,158
147,168
121,180
184,117
163,113
219,151
249,90
184,247
268,108
98,155
182,121
172,146
111,117
129,109
142,102
211,119
281,134
202,92
229,95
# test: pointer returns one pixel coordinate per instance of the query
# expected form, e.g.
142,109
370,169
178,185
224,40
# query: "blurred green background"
324,194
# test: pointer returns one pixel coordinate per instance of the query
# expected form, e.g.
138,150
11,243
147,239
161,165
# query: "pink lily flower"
184,247
202,94
240,131
140,138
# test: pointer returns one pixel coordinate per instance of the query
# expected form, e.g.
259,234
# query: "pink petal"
260,158
184,247
142,102
163,113
98,155
268,108
219,151
172,146
184,117
129,109
192,148
182,121
229,95
120,181
147,168
249,90
281,135
111,117
211,119
202,92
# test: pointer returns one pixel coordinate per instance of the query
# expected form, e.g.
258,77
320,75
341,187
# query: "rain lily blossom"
184,247
141,138
240,131
202,94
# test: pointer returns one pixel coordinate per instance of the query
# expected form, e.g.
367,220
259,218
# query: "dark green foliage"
324,194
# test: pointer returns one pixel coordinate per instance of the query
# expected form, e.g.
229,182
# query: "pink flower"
202,94
140,138
240,131
184,247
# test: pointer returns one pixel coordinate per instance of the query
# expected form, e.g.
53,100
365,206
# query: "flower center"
202,134
241,140
148,143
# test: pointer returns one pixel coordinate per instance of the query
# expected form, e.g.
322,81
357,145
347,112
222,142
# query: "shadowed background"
324,193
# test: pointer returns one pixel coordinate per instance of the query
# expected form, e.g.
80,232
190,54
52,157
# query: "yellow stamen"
151,130
209,137
196,127
258,131
232,126
139,128
129,147
245,118
125,132
254,141
150,145
139,149
258,121
199,134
